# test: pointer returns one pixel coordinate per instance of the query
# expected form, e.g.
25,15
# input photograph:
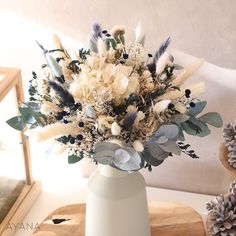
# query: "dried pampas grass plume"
53,131
196,89
189,71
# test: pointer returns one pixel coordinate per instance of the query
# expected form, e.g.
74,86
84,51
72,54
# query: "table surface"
166,219
67,194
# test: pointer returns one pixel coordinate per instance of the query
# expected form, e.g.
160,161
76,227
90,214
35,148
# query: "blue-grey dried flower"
161,49
95,34
166,138
90,112
122,158
129,120
96,30
62,92
52,64
161,145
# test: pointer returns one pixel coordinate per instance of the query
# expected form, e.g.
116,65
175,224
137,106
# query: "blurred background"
203,28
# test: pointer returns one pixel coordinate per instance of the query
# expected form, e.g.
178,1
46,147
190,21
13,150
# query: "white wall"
203,28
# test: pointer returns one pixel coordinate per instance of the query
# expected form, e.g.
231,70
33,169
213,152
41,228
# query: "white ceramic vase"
116,204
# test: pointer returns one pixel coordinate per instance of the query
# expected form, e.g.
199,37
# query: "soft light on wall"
19,49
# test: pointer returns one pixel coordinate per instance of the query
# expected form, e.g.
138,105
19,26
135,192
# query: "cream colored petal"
133,86
121,69
120,84
99,75
48,108
140,115
107,73
84,68
161,106
115,129
138,146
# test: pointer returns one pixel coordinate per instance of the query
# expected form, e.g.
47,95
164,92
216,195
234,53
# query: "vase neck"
109,171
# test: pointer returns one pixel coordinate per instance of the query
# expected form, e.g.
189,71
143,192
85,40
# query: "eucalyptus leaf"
181,134
29,115
16,123
162,139
156,151
34,125
198,108
203,126
74,158
100,147
121,156
34,105
112,42
125,158
147,156
104,152
171,146
212,118
195,127
105,157
26,113
133,163
180,118
39,117
53,65
171,131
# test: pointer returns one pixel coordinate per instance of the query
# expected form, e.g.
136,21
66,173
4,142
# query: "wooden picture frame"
11,79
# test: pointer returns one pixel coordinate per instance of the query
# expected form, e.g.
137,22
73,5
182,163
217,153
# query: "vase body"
116,204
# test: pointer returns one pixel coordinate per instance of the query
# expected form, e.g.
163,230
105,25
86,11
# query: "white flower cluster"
112,92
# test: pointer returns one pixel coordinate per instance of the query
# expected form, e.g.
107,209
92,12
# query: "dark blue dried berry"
125,56
79,137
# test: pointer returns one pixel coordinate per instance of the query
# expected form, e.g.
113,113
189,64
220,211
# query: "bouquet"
115,103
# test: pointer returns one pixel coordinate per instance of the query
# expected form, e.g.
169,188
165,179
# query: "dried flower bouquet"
116,103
